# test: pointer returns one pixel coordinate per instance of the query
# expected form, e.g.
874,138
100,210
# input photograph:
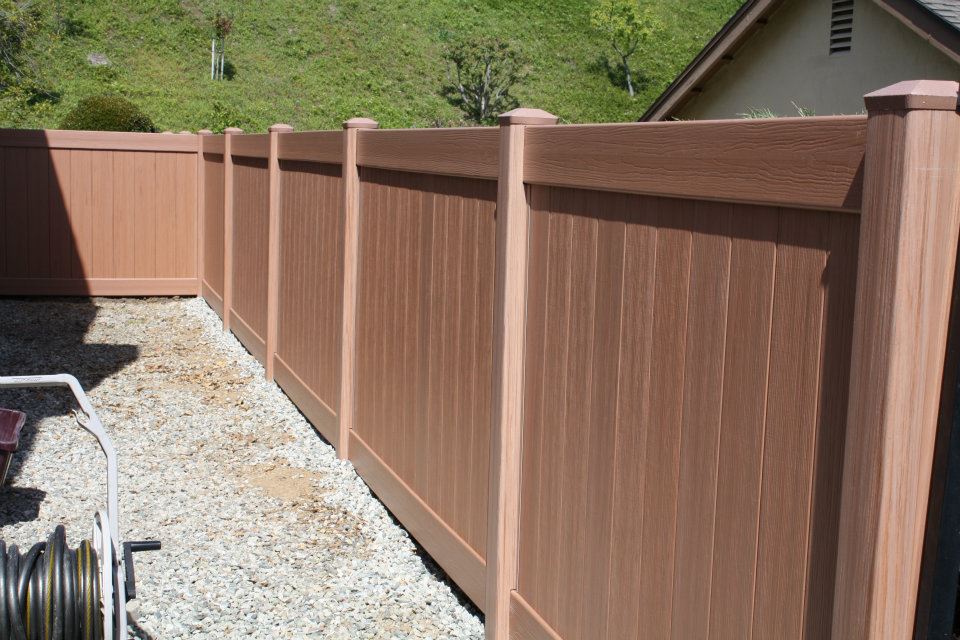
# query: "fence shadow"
46,336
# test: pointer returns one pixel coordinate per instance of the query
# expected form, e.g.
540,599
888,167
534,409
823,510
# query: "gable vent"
841,26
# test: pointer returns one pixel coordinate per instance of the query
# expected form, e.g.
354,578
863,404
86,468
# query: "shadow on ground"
46,336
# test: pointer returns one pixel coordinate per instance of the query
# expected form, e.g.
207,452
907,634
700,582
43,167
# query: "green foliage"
18,24
222,26
483,71
335,59
626,27
223,116
107,113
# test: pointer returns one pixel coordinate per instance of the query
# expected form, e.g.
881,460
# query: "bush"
107,113
222,116
484,70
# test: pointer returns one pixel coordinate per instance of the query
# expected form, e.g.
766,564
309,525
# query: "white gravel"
265,534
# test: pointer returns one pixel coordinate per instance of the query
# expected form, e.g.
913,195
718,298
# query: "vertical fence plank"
101,182
187,214
124,206
38,195
908,241
703,391
512,218
351,240
228,134
200,223
62,248
273,247
145,217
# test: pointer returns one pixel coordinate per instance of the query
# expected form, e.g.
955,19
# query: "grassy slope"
315,63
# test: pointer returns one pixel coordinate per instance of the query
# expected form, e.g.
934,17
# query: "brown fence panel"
424,358
310,297
98,213
251,225
212,283
687,367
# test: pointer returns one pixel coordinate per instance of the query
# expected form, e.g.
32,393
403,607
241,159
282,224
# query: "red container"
11,423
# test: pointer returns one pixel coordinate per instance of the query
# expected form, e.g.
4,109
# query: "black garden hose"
52,592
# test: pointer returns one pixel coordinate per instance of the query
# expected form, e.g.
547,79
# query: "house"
813,56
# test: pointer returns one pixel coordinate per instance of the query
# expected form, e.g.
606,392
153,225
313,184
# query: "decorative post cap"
361,123
527,116
932,95
233,130
280,128
205,132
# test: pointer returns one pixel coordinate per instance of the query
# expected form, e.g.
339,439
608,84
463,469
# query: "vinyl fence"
98,213
621,381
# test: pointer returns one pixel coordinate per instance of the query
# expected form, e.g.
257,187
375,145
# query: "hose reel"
52,592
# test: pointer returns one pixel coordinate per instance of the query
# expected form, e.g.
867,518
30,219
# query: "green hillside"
314,63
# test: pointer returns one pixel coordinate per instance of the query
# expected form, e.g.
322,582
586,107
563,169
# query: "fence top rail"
99,140
813,163
213,144
311,146
472,152
252,145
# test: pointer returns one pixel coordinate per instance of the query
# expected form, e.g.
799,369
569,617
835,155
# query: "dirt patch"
280,481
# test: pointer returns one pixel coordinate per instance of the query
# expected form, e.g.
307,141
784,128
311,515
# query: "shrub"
483,72
107,113
222,116
626,27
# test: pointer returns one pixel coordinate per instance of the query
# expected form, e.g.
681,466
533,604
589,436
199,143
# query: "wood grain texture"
213,145
753,161
251,145
98,140
510,302
250,243
461,562
312,146
351,211
311,278
685,391
525,624
320,414
123,287
424,339
213,223
99,215
908,242
469,152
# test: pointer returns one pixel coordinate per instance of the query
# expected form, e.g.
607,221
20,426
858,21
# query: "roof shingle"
946,10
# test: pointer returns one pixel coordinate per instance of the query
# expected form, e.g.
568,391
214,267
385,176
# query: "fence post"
351,246
908,246
228,134
510,299
273,246
201,207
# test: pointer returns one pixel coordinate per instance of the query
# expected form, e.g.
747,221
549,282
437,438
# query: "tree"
222,26
483,72
18,24
626,27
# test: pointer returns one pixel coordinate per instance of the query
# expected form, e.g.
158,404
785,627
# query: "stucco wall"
788,61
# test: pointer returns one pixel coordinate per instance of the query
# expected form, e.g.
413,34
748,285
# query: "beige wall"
788,61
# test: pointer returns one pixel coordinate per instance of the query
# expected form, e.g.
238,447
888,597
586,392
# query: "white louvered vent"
841,26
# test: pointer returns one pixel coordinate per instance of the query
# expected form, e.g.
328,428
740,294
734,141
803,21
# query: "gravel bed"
266,534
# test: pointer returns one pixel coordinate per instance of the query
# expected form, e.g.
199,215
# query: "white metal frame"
106,525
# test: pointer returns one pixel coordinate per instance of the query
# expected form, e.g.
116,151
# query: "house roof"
946,10
936,21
